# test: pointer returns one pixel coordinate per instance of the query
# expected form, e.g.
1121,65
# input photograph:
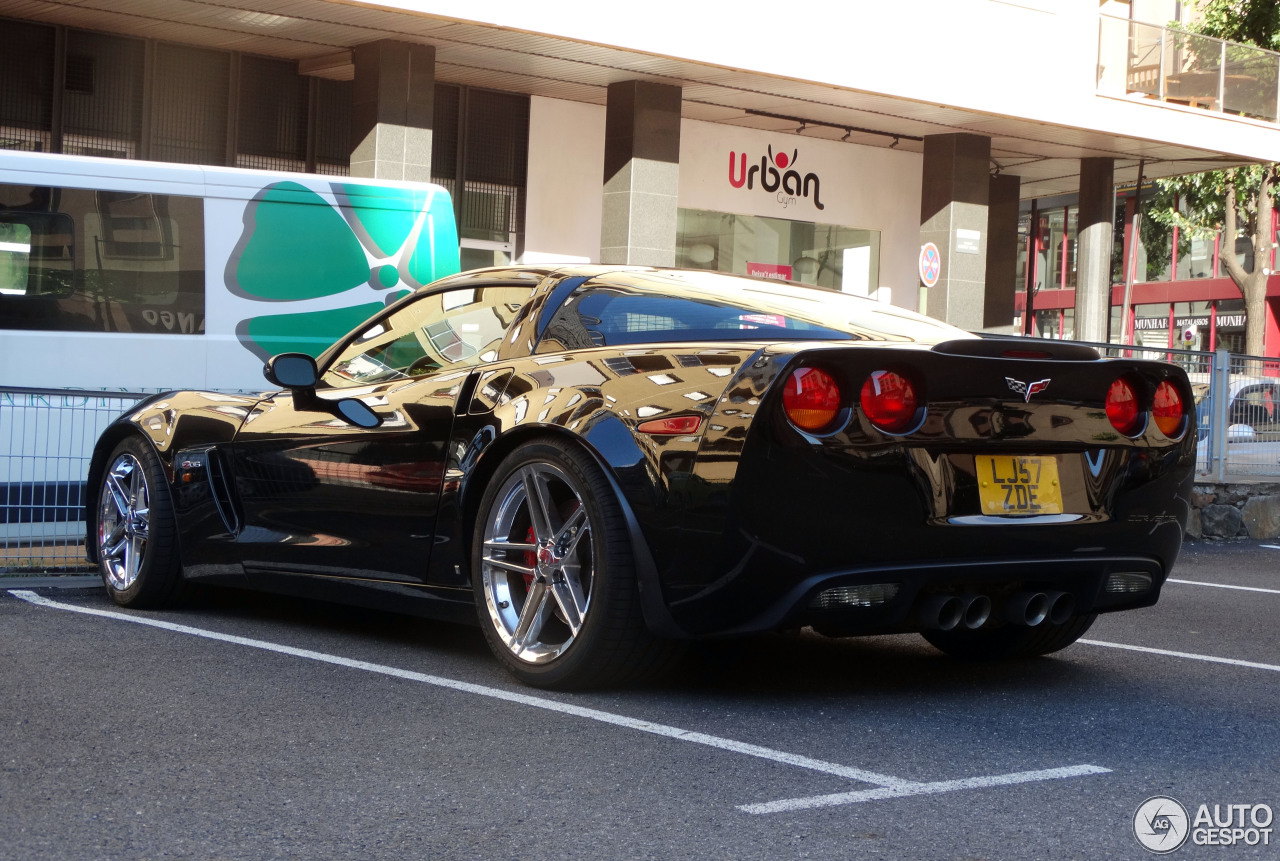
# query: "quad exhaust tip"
1034,608
948,612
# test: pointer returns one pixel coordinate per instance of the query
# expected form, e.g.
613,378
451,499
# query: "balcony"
1183,68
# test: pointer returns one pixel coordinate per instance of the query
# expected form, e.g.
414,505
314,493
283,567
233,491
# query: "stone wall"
1235,511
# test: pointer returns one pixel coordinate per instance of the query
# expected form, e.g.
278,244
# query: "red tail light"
674,426
1123,409
811,399
1167,409
889,400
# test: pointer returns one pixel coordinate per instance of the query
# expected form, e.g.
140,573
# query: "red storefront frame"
1149,292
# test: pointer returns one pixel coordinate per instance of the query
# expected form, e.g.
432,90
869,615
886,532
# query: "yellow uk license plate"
1018,484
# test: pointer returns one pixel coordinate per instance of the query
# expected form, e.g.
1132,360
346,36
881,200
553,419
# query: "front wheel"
1011,641
136,532
554,574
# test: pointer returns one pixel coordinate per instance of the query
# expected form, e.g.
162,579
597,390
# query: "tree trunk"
1253,285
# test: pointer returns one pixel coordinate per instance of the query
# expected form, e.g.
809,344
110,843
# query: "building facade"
835,148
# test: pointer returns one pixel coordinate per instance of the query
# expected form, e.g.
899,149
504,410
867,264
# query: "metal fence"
46,440
47,437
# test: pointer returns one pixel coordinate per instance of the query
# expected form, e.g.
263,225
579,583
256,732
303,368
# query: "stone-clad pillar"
392,101
641,174
1095,227
953,216
1002,253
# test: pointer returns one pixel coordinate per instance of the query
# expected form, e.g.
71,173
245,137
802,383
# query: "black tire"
584,627
136,534
1011,641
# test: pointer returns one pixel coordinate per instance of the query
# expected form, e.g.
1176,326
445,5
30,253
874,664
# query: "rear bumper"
801,521
900,607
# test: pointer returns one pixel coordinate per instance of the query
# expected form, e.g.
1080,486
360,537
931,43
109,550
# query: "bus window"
106,261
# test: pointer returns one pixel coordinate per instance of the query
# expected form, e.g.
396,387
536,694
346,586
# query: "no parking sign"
930,264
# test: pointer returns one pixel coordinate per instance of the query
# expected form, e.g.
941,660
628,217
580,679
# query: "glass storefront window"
1192,318
1024,237
1055,323
826,255
1058,229
1151,325
1199,263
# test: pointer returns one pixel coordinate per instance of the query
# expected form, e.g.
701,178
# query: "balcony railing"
1184,68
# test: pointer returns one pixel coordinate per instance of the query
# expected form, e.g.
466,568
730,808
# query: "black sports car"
596,461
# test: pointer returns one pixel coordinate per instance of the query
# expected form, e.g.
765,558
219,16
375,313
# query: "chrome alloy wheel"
536,564
124,521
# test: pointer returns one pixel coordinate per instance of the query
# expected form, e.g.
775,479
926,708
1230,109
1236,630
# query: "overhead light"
263,20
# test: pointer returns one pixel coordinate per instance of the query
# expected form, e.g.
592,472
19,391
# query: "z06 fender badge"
1027,389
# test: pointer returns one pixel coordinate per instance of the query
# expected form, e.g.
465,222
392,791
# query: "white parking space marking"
889,786
1253,665
792,804
1270,546
1224,586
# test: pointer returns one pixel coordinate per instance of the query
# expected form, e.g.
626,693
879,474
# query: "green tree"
1240,201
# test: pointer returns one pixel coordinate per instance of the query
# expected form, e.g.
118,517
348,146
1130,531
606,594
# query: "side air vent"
220,489
1018,348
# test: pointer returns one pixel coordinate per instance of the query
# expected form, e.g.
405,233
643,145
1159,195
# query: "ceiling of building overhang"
317,34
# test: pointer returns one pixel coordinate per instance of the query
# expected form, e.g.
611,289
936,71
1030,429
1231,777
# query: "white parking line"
792,804
889,786
1224,586
1253,665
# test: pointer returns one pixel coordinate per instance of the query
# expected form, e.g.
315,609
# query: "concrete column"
1094,228
953,216
641,174
1002,253
392,102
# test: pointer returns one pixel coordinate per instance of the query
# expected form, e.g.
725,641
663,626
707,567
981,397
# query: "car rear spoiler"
1004,347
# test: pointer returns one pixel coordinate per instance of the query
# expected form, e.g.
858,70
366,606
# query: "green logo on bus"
335,262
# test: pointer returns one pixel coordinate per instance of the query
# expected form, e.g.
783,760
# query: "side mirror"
291,371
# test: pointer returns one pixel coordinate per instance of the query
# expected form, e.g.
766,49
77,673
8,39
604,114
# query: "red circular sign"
930,264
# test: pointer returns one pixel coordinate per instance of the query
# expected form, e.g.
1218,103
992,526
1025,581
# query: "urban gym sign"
777,176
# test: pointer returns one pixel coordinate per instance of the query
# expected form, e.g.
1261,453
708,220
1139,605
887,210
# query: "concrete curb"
67,582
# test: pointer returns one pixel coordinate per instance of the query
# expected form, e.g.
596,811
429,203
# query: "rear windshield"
726,309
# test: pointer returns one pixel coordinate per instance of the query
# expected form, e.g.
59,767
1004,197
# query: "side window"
106,261
445,330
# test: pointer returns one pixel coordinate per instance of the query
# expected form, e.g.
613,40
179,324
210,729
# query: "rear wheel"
554,573
1011,641
136,535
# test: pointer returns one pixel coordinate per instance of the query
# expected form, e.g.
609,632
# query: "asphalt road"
254,727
